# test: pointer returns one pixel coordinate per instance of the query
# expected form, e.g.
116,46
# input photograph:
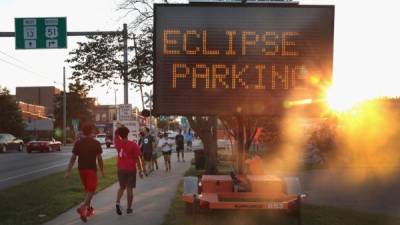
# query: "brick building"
43,96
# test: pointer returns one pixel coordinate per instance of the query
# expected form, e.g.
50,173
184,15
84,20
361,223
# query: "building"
37,125
42,96
106,114
30,111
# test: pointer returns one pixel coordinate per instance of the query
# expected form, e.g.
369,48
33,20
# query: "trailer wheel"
295,211
190,208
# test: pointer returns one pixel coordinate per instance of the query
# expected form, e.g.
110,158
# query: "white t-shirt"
164,148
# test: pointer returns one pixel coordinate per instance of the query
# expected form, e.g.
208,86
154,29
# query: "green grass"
41,200
312,215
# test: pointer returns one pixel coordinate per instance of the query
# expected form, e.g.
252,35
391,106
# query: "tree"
100,60
206,128
79,106
10,116
244,128
162,124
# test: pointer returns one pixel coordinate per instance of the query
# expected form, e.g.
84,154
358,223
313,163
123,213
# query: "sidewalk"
152,198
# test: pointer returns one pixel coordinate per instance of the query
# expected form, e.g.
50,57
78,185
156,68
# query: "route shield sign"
40,33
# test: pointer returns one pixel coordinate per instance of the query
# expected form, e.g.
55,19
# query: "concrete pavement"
152,198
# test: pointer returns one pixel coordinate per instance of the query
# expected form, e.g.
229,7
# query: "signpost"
125,112
133,127
40,33
210,61
149,104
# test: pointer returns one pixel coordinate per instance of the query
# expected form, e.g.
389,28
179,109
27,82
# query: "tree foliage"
10,116
100,59
79,106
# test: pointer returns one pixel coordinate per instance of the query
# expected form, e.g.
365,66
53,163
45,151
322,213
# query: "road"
19,167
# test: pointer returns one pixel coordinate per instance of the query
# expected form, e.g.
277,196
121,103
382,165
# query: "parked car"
44,145
101,138
9,142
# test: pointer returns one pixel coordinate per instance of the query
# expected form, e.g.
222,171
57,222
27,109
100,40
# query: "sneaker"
118,209
129,211
83,213
90,211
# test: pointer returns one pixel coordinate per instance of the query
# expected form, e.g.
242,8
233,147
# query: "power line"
27,70
12,57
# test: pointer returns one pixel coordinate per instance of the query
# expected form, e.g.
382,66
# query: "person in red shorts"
128,158
87,150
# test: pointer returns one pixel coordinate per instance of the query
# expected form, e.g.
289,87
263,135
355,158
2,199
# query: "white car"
101,138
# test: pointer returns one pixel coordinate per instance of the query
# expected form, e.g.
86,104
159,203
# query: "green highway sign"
39,33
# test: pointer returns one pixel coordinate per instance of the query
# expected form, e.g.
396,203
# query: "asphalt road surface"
18,167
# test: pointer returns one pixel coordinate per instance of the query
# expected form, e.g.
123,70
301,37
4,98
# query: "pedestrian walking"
148,148
128,160
155,152
180,145
166,149
189,140
87,150
140,142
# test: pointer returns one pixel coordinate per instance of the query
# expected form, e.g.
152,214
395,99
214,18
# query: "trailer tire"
189,208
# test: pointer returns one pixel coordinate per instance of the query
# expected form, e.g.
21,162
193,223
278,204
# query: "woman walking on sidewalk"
166,149
129,156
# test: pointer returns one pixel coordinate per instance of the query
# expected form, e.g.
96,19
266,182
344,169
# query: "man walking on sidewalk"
129,156
87,149
148,148
180,145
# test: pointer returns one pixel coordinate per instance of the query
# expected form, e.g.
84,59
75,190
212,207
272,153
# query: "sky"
366,46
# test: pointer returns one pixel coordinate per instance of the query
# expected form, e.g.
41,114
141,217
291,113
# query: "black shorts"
148,156
179,148
167,153
189,143
127,179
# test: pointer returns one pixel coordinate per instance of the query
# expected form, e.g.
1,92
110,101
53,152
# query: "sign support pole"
125,37
87,33
64,110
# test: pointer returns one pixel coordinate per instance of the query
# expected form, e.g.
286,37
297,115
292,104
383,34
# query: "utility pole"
64,110
125,75
115,104
115,98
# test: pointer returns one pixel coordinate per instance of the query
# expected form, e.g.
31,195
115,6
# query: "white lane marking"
42,169
32,172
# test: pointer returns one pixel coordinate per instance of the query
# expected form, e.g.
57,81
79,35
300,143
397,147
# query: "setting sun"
342,96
